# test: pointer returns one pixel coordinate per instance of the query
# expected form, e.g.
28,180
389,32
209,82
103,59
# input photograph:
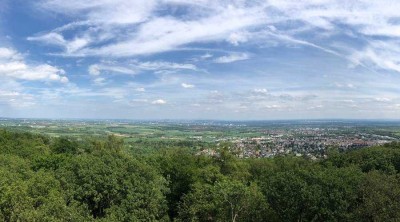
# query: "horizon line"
222,120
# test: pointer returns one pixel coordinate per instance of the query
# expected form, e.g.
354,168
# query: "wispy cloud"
161,65
96,69
232,58
382,55
99,81
135,67
150,33
70,46
125,28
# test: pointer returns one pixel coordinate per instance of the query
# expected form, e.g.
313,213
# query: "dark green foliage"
179,167
380,198
65,145
24,145
225,200
313,194
111,185
384,158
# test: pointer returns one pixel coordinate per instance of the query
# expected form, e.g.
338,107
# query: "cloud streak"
135,67
232,58
187,86
146,33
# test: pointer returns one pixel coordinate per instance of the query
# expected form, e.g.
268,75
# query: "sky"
200,59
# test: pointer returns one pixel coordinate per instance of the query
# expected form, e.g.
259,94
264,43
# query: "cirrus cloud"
232,58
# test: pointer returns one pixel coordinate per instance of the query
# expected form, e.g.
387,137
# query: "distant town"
311,142
256,139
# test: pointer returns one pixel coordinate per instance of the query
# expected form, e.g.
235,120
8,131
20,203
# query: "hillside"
74,179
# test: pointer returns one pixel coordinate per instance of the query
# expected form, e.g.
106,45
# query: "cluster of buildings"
312,143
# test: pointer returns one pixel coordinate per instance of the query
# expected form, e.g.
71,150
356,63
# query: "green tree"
36,198
227,200
380,198
65,145
114,186
313,193
179,167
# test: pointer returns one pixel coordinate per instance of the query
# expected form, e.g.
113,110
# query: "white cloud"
232,58
206,56
96,69
100,81
345,85
165,34
187,86
140,89
135,67
159,102
163,65
367,17
9,54
382,55
383,99
70,46
364,19
13,65
49,38
135,28
262,91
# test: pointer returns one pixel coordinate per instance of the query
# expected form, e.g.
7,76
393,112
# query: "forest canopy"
68,179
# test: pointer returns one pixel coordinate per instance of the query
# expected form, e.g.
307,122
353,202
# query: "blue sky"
200,59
